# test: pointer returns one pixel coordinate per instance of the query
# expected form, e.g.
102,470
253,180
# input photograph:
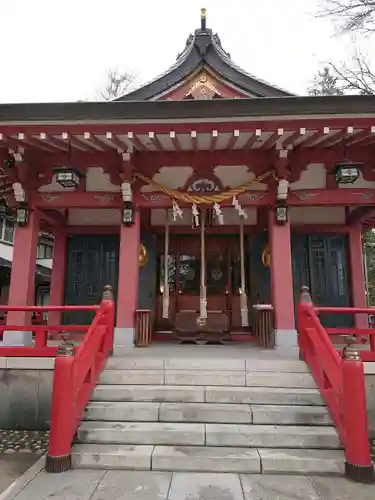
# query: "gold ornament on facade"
203,88
266,256
143,256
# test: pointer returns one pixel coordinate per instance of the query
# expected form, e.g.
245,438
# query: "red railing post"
304,305
62,412
108,306
358,464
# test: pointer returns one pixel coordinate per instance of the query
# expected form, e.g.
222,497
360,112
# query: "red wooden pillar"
58,275
357,275
282,282
22,280
127,291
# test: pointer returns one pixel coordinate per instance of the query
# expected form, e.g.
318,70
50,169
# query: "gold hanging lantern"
143,256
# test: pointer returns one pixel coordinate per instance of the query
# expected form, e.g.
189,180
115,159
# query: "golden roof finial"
203,19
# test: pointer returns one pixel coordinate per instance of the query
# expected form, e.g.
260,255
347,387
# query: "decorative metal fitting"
305,294
107,292
201,321
350,351
66,349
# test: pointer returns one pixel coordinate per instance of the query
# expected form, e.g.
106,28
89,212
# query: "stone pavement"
12,466
116,485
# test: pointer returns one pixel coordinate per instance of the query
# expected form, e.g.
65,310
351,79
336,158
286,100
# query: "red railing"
341,383
362,334
76,373
41,333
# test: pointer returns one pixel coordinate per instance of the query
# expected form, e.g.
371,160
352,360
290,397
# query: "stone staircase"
208,415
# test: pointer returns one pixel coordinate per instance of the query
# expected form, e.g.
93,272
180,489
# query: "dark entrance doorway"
223,283
320,261
92,263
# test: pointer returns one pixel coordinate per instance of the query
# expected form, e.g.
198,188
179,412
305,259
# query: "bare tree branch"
326,83
118,83
357,77
350,15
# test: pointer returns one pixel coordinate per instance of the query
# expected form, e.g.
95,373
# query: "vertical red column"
357,275
58,275
282,282
22,280
127,291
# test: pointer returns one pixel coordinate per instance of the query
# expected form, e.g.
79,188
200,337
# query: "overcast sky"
53,50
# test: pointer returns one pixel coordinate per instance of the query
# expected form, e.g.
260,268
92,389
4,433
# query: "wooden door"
321,263
92,263
329,276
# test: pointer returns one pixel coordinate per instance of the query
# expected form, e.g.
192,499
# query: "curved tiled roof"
203,48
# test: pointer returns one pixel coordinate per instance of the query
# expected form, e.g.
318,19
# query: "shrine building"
198,196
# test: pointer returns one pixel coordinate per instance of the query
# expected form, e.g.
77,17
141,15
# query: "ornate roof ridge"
203,47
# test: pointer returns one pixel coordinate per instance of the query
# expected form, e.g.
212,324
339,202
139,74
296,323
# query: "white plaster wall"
235,175
314,177
94,217
98,180
172,177
317,215
158,217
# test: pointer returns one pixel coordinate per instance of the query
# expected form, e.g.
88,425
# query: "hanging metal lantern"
281,212
128,213
347,172
67,177
22,214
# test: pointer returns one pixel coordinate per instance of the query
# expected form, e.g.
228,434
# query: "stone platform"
115,485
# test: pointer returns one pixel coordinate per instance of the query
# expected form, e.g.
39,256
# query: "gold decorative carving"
49,198
203,88
105,198
266,256
143,256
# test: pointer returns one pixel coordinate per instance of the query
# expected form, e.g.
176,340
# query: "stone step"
210,394
263,395
206,364
272,436
151,433
205,377
207,459
206,413
290,415
194,434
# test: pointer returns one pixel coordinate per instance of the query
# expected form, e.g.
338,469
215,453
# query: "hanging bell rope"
166,267
203,292
243,295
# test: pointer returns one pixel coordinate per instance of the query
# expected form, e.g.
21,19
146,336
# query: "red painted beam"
161,200
315,197
175,141
76,200
164,127
53,217
360,215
